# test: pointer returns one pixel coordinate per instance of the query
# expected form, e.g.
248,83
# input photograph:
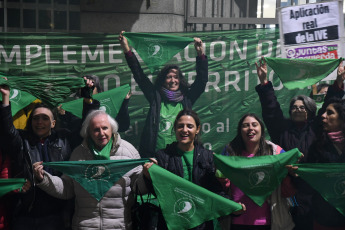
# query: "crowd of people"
50,200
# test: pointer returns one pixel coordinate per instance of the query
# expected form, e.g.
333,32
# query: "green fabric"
229,94
187,162
51,90
184,204
110,101
328,179
259,176
156,49
8,185
169,111
97,176
19,100
103,154
300,73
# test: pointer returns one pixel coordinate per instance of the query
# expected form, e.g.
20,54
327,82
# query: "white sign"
310,23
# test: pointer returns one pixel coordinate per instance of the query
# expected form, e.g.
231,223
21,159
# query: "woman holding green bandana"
167,96
273,214
101,141
329,148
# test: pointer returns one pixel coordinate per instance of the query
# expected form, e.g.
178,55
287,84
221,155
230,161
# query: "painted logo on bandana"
165,126
155,50
259,178
15,95
104,105
97,172
339,187
105,108
184,208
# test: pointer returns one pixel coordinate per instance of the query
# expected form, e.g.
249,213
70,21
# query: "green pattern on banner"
184,204
156,49
97,176
8,185
300,73
259,176
19,100
232,72
51,90
110,100
328,179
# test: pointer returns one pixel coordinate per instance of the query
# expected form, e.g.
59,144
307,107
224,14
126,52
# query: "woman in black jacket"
297,131
35,209
188,159
329,148
167,96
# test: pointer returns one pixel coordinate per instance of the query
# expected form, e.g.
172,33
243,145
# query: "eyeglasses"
295,108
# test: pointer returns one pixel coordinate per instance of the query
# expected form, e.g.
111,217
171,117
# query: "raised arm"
141,79
123,116
199,85
272,114
9,133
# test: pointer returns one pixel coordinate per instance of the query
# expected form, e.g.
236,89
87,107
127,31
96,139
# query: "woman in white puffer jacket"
113,211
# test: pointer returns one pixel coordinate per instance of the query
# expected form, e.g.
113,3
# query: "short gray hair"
309,104
84,132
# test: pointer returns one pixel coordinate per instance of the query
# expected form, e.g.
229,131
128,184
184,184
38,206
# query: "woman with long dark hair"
329,148
167,96
250,142
297,131
188,159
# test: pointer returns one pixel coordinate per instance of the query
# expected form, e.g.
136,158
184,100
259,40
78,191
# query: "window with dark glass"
60,2
44,19
74,20
44,1
13,17
29,18
60,20
74,2
1,17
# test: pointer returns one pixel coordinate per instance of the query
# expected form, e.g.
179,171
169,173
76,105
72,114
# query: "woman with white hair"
101,141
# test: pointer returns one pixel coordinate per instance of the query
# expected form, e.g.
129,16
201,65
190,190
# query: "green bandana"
328,179
110,100
8,185
300,73
97,177
19,100
156,49
103,154
257,176
51,90
184,204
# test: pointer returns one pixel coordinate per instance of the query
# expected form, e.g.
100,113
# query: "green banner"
328,179
232,72
8,185
257,176
110,101
184,204
97,176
